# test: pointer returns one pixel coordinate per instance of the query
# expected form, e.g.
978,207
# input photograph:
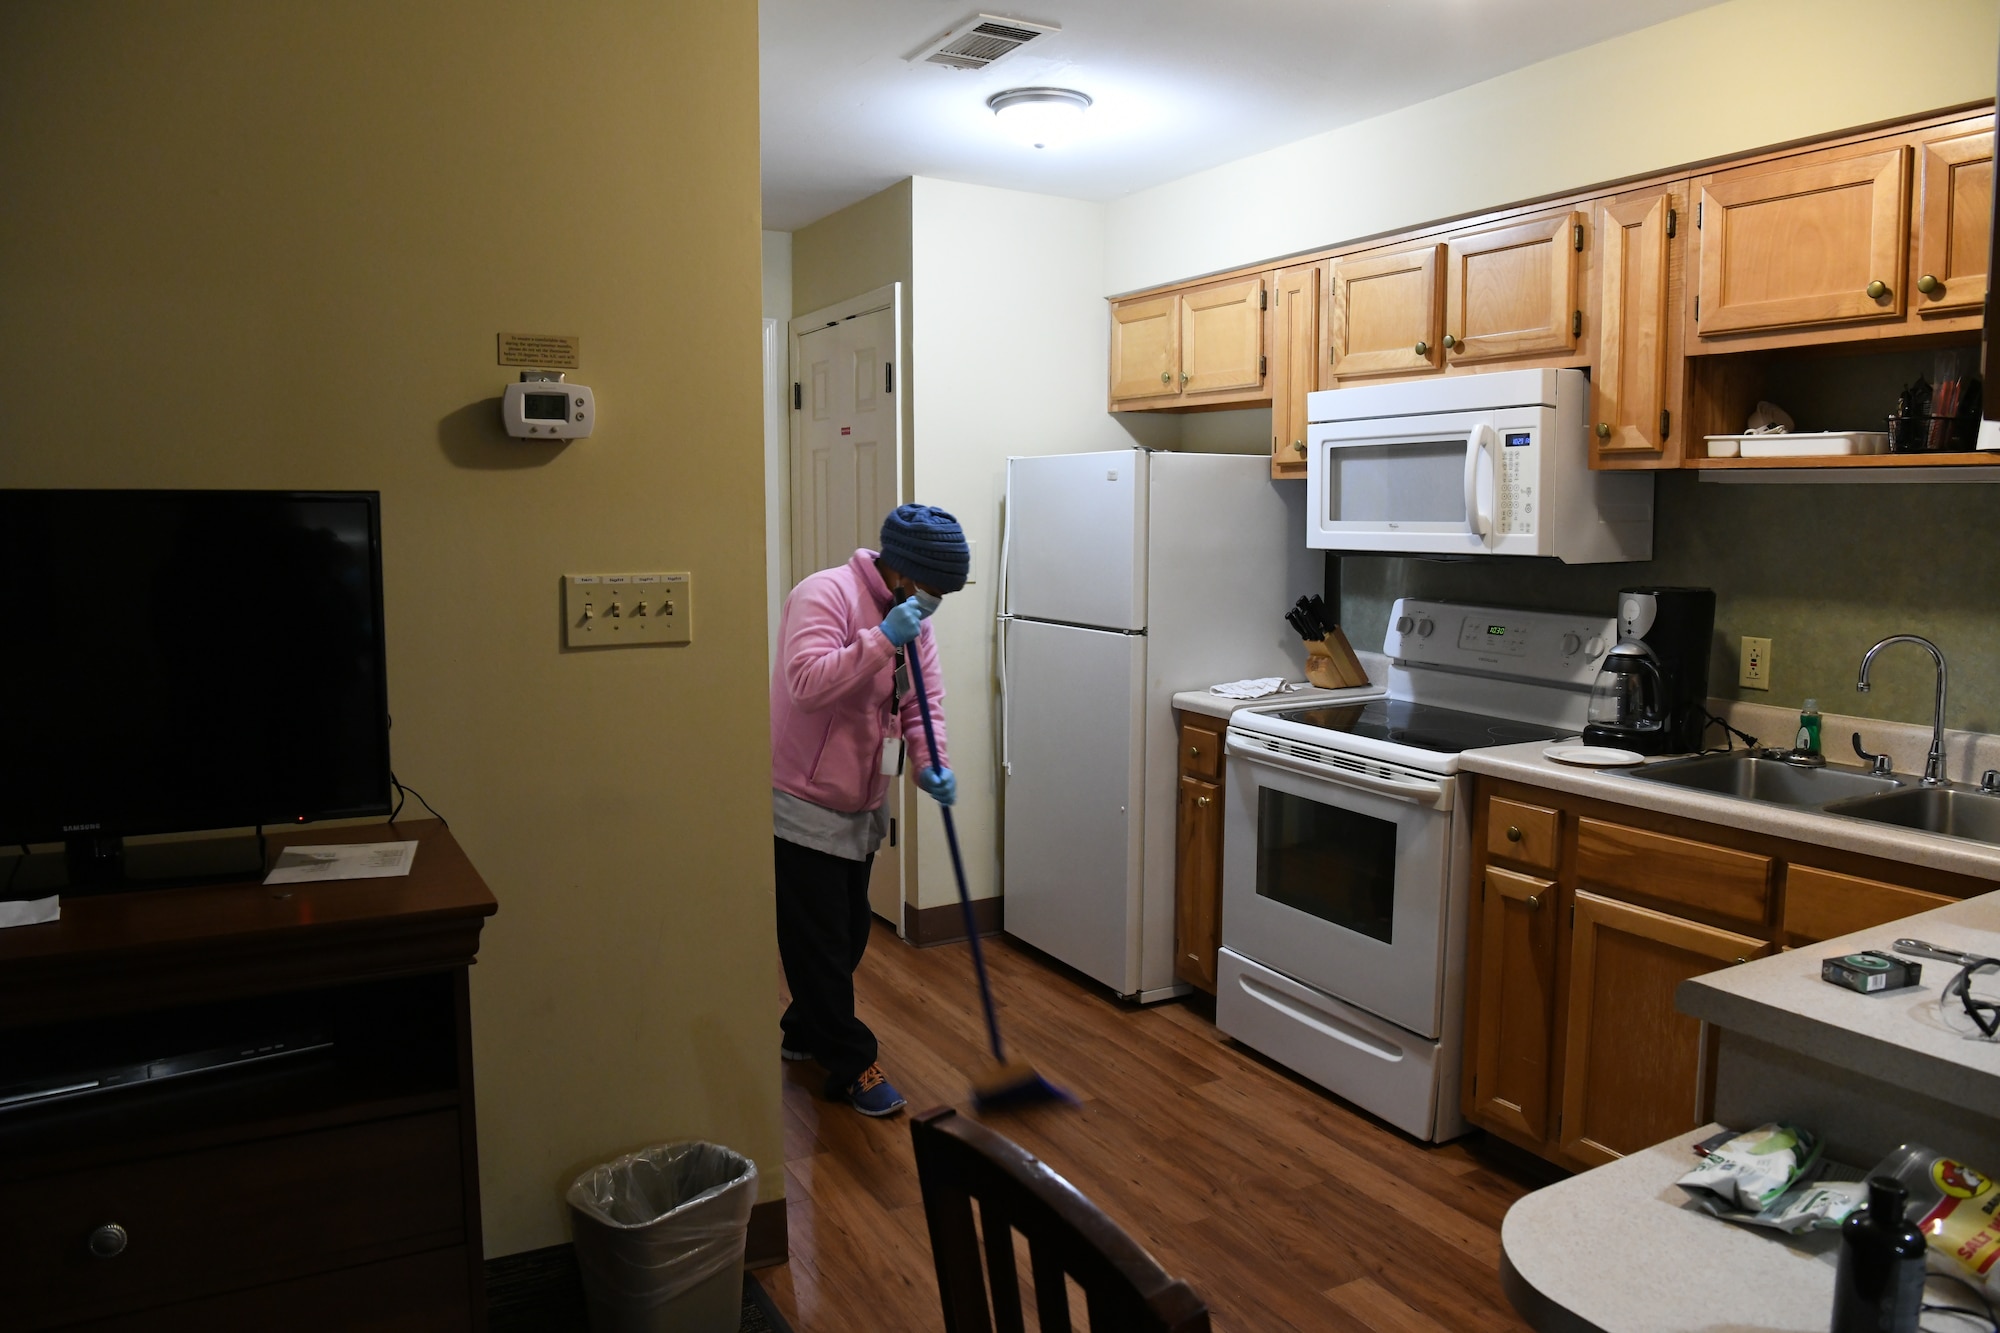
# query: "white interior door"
847,476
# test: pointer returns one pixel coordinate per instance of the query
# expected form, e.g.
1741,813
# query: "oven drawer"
203,1223
1374,1064
1521,833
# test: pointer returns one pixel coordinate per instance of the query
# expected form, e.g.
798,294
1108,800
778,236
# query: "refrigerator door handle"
1006,754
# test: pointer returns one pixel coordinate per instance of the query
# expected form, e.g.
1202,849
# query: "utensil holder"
1930,433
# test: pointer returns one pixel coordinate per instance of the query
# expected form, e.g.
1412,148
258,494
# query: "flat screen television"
174,661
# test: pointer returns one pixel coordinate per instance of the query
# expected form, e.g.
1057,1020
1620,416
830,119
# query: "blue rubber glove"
902,623
939,784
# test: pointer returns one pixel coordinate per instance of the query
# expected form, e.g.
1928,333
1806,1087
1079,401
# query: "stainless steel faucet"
1934,762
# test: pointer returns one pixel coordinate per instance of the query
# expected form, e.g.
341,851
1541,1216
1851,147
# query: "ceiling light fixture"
1039,117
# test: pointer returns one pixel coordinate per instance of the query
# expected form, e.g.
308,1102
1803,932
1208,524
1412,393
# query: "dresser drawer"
1712,883
1201,749
1519,832
202,1223
1821,904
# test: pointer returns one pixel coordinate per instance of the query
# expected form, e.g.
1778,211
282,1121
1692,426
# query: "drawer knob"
1878,289
1534,901
1194,752
1201,800
1742,961
1928,284
109,1241
1513,833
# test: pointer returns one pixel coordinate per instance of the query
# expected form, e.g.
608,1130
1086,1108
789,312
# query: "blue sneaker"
873,1094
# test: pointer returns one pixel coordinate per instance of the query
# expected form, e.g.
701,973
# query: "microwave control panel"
1514,487
1549,646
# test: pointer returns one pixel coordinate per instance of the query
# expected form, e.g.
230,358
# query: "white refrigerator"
1130,576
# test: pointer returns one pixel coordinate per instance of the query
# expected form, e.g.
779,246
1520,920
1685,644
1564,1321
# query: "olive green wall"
269,245
1823,571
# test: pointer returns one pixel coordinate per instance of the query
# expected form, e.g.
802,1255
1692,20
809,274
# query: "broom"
1012,1083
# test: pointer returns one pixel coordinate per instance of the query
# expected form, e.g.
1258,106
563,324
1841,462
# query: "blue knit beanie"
926,545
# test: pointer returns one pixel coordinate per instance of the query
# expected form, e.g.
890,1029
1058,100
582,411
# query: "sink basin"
1960,814
1750,778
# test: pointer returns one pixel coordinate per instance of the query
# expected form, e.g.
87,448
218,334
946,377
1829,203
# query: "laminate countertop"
1214,705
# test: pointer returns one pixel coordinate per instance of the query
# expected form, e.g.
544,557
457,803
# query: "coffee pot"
1651,693
1629,691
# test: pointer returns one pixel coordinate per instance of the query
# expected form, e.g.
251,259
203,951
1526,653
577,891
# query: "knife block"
1331,663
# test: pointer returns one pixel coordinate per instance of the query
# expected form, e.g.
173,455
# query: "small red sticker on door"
847,430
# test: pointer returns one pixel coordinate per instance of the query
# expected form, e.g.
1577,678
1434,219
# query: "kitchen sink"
1960,814
1750,778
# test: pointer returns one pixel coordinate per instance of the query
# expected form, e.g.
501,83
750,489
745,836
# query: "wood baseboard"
769,1243
926,926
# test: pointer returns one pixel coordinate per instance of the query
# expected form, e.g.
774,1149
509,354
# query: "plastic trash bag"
654,1226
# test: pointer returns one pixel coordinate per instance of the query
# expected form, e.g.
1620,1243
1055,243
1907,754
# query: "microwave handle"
1478,441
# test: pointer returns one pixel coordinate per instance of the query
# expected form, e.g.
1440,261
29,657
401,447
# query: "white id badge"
892,756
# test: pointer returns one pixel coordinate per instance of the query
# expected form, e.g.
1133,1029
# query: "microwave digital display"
1517,438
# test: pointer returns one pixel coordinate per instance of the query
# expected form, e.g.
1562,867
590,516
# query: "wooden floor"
1282,1206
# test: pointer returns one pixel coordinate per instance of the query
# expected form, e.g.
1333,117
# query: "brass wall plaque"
544,351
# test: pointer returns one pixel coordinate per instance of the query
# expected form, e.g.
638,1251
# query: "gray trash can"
659,1238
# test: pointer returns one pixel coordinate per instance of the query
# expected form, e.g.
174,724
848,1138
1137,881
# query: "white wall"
777,265
1723,80
1009,355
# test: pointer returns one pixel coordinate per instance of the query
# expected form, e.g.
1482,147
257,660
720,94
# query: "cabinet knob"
1423,348
1194,752
1513,833
1166,377
1184,379
1928,284
1201,800
1534,902
1603,430
1742,960
1878,289
1299,445
1450,342
109,1241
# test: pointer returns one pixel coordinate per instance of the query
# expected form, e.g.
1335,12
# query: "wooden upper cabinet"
1511,291
1954,222
1384,312
1815,239
1514,1031
1638,265
1295,292
1631,1063
1222,337
1145,347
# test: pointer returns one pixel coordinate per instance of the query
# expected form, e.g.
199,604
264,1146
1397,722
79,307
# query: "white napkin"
29,911
1254,689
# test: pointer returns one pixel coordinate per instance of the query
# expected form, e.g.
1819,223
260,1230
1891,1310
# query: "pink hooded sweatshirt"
830,691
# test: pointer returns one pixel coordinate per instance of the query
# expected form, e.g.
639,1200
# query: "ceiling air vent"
982,40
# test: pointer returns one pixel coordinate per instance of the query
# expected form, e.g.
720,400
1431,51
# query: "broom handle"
957,864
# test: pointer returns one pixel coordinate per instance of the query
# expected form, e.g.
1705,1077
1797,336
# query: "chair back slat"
1068,1237
998,1235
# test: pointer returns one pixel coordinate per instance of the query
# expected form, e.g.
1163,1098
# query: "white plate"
1592,756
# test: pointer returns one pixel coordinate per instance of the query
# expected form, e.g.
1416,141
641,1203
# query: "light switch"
624,610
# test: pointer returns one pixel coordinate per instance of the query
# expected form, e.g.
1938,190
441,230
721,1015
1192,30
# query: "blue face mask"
927,602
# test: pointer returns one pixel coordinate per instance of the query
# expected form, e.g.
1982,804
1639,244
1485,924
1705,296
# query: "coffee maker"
1651,694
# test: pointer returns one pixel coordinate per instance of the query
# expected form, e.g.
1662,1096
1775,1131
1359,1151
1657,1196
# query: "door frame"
902,853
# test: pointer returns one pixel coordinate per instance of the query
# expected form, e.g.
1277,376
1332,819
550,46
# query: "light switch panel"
623,610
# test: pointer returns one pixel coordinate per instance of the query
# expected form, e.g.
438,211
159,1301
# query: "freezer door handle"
1434,792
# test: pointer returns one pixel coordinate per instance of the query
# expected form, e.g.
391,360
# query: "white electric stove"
1346,852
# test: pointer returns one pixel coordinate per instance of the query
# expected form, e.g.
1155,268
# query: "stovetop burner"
1422,726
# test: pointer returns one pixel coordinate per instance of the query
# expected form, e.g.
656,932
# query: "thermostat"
543,406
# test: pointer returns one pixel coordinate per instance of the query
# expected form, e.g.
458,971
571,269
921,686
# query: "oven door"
1336,872
1424,484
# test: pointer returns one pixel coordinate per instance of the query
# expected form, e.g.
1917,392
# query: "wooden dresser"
332,1190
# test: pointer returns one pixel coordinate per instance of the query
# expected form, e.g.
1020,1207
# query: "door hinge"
1576,235
1699,205
1673,223
1263,300
888,377
892,830
1260,366
1666,422
798,396
1575,323
1697,304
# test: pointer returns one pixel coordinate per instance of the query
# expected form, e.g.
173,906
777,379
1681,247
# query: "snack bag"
1955,1207
1747,1172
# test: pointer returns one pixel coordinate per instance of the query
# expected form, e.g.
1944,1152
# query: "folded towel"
1254,689
29,911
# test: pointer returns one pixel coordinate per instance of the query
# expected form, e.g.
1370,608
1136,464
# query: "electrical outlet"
620,610
1754,669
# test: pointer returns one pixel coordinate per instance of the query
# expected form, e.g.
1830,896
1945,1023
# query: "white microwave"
1485,464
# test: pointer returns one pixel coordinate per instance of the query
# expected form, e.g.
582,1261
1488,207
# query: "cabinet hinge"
888,377
1666,422
798,396
1575,323
1260,365
892,830
1697,309
1263,300
1576,235
1673,223
1699,205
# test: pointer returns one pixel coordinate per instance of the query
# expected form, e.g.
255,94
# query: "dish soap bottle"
1879,1286
1807,741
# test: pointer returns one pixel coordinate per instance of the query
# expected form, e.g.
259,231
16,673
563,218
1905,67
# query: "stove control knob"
1571,642
1424,627
1595,648
1404,624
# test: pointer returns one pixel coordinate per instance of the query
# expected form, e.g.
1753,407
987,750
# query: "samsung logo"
78,828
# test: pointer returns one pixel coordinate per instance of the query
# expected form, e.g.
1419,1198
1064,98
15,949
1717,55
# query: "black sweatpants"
822,933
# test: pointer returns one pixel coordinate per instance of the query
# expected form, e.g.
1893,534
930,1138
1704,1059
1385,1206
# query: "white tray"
1800,444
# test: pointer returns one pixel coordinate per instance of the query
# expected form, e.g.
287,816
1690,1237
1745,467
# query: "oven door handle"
1433,792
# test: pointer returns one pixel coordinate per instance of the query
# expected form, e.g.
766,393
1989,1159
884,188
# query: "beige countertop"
1214,705
1898,1037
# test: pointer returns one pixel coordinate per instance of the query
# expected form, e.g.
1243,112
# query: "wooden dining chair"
1069,1237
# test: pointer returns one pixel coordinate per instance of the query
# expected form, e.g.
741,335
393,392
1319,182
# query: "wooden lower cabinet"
1583,928
1198,853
